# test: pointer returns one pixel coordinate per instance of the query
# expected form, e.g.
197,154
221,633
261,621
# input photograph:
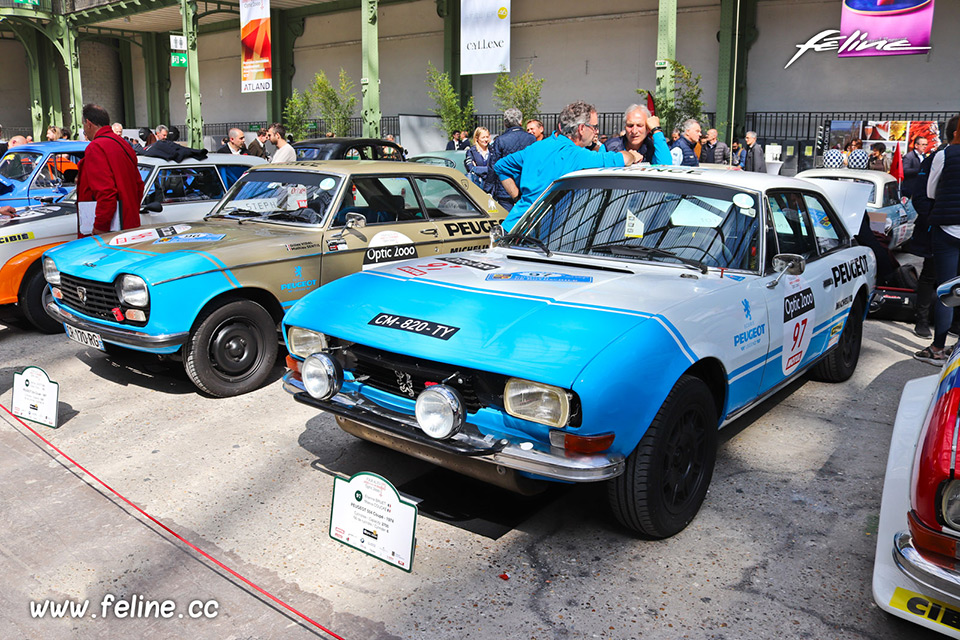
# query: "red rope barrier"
174,533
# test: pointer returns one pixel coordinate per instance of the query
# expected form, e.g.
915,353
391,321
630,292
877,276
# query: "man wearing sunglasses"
528,172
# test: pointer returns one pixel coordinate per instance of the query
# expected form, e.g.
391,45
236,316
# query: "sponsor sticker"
467,228
146,235
925,607
192,237
473,264
753,331
473,247
633,227
388,246
538,276
798,322
423,269
302,246
842,302
333,245
413,325
835,332
17,237
847,271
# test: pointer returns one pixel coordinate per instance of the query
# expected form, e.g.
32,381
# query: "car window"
59,168
145,171
184,184
443,200
385,152
359,152
230,173
639,219
285,196
379,199
18,166
825,227
790,223
308,153
873,187
891,194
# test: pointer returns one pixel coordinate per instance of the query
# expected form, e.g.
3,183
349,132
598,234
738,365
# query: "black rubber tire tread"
840,363
632,495
196,353
30,301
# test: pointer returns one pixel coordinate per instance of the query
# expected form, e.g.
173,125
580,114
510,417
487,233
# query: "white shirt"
286,153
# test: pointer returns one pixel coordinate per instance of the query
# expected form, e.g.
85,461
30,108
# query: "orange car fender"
11,275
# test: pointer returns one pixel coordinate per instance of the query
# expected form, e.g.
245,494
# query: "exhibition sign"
484,36
35,396
256,68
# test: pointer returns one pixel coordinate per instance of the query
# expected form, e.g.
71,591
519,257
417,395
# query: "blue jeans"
946,257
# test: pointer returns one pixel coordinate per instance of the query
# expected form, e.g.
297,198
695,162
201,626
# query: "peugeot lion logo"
82,294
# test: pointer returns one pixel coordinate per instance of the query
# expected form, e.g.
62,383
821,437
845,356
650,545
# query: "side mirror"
151,207
949,293
787,263
356,221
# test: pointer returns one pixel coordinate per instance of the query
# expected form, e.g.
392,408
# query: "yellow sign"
16,238
502,13
924,607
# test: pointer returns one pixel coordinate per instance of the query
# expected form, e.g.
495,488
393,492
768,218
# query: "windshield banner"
256,68
484,36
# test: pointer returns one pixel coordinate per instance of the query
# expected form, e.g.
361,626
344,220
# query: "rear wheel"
33,299
840,363
232,350
667,475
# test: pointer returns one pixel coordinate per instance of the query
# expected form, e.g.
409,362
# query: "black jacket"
167,150
946,205
510,141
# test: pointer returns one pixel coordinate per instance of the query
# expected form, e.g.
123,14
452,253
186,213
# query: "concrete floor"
783,547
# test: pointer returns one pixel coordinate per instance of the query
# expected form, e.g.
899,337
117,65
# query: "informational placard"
256,65
484,36
178,43
178,59
369,515
36,396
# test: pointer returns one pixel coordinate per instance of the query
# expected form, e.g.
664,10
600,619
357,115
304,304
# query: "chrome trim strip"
936,573
120,336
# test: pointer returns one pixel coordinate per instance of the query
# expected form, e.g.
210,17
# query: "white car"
173,192
885,210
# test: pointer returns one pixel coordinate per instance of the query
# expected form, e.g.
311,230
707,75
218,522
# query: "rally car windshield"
695,224
18,166
285,196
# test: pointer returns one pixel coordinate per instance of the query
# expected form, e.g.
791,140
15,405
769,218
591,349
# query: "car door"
799,306
396,227
185,192
463,225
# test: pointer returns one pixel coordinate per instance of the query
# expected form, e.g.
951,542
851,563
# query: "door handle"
428,232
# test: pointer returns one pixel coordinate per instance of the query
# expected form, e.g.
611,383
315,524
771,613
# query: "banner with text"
870,27
256,68
484,36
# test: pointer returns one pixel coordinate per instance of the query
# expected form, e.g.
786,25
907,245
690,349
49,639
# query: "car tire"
841,362
32,300
666,477
232,349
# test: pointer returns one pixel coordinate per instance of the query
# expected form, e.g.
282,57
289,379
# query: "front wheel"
232,350
667,475
840,363
33,299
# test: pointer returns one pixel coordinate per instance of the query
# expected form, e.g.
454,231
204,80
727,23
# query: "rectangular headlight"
541,403
50,272
303,342
133,291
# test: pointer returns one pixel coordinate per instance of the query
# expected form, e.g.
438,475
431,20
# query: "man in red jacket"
109,187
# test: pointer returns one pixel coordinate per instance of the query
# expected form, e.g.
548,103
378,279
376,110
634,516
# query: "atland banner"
256,67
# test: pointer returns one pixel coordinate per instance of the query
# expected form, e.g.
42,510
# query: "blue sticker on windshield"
538,276
192,237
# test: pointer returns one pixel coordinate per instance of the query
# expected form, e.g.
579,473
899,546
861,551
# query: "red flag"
896,166
650,106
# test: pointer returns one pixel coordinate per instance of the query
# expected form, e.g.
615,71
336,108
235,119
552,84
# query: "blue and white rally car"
631,313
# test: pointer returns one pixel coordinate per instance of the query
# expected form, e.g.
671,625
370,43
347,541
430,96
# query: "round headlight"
440,411
133,291
303,342
50,272
951,504
322,376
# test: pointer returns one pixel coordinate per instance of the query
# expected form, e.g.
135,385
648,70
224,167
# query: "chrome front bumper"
939,574
400,432
126,337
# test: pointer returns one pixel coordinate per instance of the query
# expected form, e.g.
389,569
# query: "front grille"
101,297
389,372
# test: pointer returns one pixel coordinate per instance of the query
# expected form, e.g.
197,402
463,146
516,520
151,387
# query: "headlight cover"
304,342
950,505
50,272
440,411
322,376
133,291
541,403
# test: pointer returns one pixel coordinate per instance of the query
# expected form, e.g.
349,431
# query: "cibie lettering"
933,611
831,39
846,272
798,304
748,335
472,227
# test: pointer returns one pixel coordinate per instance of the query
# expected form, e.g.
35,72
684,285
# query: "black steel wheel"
33,298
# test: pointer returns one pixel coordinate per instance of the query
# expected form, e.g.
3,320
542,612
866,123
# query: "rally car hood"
184,249
544,321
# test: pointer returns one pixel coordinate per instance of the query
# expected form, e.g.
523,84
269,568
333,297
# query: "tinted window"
184,184
443,200
788,211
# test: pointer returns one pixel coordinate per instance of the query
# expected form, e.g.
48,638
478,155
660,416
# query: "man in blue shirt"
528,172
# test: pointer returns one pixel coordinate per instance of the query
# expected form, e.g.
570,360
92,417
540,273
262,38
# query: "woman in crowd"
477,155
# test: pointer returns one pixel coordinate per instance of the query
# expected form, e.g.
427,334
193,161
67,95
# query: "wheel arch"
261,296
712,372
14,271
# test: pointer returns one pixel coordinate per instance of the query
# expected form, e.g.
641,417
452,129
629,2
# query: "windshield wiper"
238,212
525,239
616,248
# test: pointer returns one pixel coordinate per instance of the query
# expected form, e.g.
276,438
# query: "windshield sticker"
473,227
423,327
146,235
296,197
743,201
798,321
633,228
538,276
258,204
328,183
474,264
388,246
17,237
192,237
301,246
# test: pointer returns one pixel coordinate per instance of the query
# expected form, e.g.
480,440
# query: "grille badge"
82,294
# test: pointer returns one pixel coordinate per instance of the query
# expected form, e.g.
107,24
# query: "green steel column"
129,116
156,64
71,54
188,10
284,32
51,102
370,71
737,34
449,10
666,49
